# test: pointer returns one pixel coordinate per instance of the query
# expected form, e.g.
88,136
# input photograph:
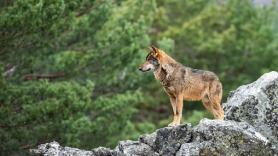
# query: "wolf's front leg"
174,106
179,108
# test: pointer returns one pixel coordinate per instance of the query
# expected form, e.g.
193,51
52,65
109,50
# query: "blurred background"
69,68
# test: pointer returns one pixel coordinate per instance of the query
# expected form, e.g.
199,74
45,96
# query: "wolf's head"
152,60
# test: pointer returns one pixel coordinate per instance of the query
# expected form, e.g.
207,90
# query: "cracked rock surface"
216,137
250,128
257,104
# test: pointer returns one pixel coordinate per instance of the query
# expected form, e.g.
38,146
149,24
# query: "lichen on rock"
216,137
257,104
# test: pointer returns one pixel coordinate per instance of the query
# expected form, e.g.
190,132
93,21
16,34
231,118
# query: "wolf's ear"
154,50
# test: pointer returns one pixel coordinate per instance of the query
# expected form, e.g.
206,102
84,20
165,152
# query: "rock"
250,128
216,137
257,104
130,148
54,149
167,141
103,151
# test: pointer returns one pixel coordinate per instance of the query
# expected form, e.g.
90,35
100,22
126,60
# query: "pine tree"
75,76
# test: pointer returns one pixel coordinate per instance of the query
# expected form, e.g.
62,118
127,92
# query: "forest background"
69,68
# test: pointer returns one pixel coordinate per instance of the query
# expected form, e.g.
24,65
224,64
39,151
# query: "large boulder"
250,128
257,104
216,137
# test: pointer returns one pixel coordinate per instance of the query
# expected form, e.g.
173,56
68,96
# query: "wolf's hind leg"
207,104
213,106
216,107
215,96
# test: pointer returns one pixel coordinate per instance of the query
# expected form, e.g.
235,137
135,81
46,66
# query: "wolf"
184,83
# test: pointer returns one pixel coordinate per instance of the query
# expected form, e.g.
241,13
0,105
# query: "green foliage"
36,111
87,42
42,111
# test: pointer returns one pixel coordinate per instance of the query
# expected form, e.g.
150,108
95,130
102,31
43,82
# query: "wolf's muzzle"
142,70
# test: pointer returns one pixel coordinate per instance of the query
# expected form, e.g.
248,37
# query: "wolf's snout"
140,68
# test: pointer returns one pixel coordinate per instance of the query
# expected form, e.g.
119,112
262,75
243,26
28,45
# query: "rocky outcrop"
257,104
215,137
250,128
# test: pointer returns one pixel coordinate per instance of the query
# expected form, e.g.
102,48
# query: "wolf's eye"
154,62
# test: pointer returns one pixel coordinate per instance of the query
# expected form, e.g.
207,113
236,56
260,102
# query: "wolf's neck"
160,74
165,71
166,59
166,68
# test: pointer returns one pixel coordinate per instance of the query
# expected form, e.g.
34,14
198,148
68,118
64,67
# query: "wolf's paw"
172,124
